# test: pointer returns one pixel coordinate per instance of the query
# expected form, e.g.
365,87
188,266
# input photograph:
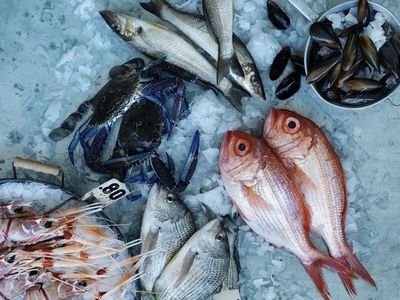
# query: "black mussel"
369,51
363,98
332,76
345,33
280,62
388,29
289,86
365,13
362,85
344,76
390,58
298,63
396,42
334,94
324,36
277,16
350,51
314,57
319,72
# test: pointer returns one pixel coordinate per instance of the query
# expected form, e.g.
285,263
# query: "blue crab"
136,93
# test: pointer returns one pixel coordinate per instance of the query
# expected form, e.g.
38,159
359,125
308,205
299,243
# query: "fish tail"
314,270
154,6
225,64
347,280
358,269
234,96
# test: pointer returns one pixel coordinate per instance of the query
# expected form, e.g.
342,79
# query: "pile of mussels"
353,73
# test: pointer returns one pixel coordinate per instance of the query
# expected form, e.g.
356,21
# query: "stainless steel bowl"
312,16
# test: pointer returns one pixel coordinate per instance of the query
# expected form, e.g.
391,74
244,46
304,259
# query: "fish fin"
234,96
358,269
347,280
186,265
315,272
256,201
150,240
225,64
154,6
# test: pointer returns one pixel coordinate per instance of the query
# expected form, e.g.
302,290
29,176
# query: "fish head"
240,156
253,80
165,206
213,240
288,132
125,26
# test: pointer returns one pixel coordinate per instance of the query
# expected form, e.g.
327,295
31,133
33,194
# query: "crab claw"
163,173
180,105
75,140
68,126
191,163
171,164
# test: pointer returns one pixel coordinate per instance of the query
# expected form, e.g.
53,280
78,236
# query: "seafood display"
348,65
71,253
269,201
273,191
199,268
316,168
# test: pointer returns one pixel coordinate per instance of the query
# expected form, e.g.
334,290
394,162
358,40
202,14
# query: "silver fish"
167,224
219,15
231,281
159,42
199,268
195,28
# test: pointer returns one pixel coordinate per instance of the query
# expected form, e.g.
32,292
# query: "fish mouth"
112,20
270,122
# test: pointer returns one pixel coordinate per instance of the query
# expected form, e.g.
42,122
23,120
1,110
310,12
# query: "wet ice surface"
56,54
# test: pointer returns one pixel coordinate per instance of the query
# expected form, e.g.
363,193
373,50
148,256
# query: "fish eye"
170,198
292,125
220,237
18,210
33,273
242,147
116,27
253,79
48,224
11,259
82,283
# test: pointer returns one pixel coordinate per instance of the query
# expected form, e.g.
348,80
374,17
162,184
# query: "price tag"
108,192
227,295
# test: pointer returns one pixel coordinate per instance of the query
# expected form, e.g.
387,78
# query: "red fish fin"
347,280
315,272
358,269
256,201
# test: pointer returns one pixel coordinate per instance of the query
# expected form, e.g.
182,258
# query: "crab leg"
68,126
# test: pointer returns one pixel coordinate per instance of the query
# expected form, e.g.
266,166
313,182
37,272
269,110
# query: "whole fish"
199,268
316,168
219,15
269,201
195,28
167,224
161,43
